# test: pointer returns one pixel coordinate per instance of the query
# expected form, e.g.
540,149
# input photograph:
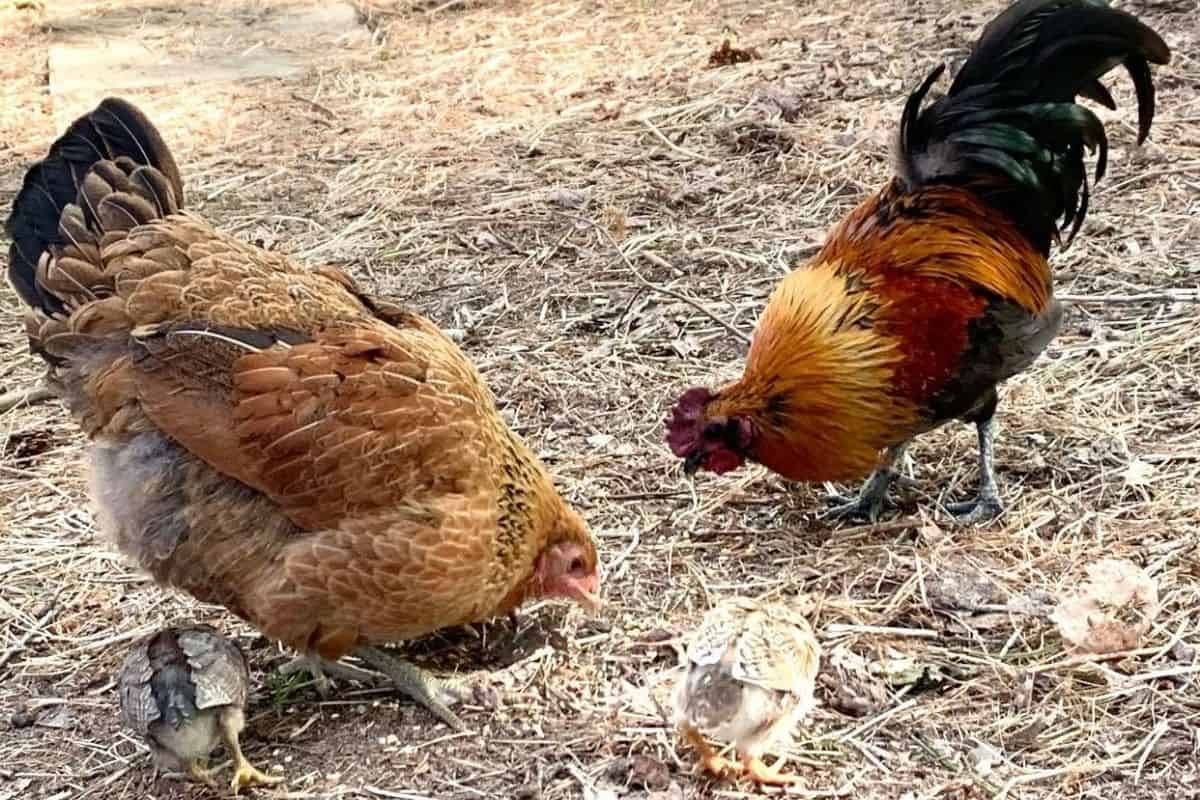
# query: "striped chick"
751,671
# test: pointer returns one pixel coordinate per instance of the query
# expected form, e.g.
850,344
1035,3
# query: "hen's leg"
986,506
873,496
434,693
757,770
244,773
709,760
322,670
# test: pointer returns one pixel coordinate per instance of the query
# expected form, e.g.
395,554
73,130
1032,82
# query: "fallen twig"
1166,296
25,397
37,625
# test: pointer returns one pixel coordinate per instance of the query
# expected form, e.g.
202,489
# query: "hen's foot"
982,509
323,670
436,694
758,771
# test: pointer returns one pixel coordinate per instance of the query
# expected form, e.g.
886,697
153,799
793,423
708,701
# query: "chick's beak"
692,462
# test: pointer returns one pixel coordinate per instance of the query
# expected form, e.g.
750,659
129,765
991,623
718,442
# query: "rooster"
324,464
937,289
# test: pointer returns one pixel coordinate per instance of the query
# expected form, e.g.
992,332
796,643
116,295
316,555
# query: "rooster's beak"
692,462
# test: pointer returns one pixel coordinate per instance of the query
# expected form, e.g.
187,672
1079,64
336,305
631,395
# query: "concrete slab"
102,50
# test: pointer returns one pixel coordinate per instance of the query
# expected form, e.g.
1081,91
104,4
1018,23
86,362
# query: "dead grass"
602,216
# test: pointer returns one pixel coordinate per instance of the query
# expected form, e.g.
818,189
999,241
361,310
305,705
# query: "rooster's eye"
714,430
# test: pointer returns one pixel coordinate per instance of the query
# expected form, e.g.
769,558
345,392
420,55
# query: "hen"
751,671
936,289
327,466
184,689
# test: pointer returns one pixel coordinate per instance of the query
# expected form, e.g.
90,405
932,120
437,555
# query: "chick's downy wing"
777,650
218,668
138,708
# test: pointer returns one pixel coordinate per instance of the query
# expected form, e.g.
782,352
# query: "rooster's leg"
322,670
434,693
873,496
986,506
200,773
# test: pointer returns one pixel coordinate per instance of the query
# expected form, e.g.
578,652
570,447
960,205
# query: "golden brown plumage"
937,289
326,465
183,690
751,670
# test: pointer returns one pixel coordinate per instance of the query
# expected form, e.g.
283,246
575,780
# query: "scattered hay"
423,161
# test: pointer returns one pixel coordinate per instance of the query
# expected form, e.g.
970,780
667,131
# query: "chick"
751,672
183,690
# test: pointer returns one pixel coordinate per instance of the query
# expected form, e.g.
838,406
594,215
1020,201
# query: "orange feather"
852,345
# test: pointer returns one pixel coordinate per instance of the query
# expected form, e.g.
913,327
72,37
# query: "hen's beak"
587,594
692,462
590,601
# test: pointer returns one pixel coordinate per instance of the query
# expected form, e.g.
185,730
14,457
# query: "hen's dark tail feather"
1009,128
118,144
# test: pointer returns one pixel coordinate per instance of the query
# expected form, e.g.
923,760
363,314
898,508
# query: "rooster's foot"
979,511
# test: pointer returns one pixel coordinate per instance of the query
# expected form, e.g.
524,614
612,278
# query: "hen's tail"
108,173
1009,128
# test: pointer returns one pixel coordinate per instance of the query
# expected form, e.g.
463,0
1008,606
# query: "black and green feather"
1010,129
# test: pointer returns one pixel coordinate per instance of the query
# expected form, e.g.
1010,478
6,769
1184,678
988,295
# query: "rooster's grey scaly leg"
873,496
986,506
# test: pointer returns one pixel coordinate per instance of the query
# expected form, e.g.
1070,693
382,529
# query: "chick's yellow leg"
244,773
709,760
757,770
200,774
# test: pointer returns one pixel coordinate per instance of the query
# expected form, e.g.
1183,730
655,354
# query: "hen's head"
568,567
716,443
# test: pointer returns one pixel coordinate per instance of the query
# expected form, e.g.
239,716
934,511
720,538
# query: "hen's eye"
576,565
713,430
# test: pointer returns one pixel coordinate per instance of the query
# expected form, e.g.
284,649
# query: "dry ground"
569,184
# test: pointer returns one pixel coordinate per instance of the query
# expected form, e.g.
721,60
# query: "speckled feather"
752,667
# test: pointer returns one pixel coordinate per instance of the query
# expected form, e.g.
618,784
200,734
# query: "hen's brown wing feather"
347,424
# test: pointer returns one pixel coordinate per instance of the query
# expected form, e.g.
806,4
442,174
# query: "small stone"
22,719
529,791
648,773
617,770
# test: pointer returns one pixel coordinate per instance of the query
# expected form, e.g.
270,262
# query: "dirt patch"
602,217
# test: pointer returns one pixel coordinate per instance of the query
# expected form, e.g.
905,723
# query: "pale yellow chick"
751,671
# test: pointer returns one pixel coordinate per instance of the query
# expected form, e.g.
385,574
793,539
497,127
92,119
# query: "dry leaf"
727,54
1138,473
1112,611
